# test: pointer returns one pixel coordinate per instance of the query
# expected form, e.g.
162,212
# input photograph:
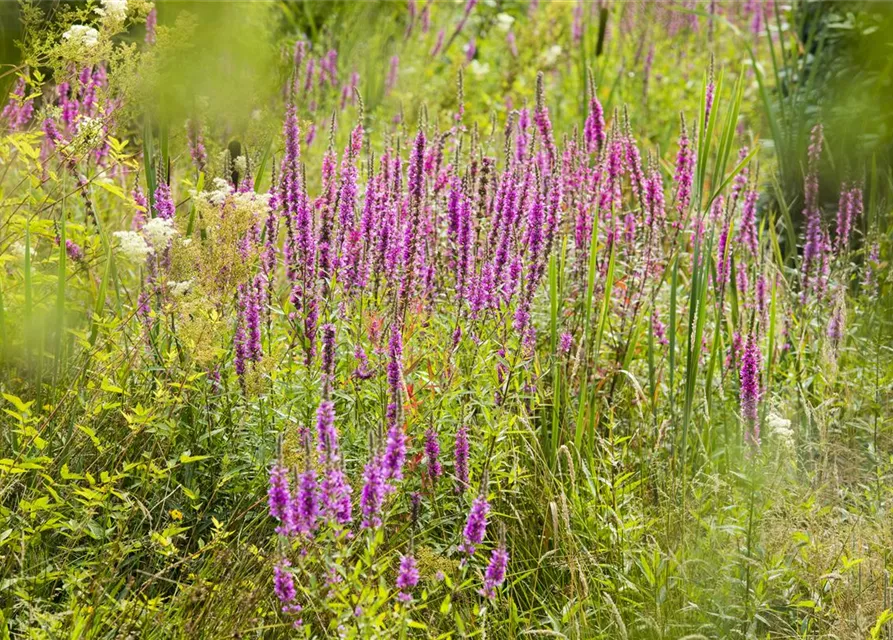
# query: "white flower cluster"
133,246
179,289
113,10
550,56
83,35
217,196
257,203
240,164
504,22
159,232
18,250
478,69
780,429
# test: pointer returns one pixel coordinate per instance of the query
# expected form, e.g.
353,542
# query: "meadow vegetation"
446,319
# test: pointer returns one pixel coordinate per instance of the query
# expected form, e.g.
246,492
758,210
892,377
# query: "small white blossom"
550,55
780,428
82,34
257,203
240,164
478,69
159,232
133,246
218,195
18,250
504,22
179,289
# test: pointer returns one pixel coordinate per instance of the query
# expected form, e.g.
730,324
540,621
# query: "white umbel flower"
18,250
82,34
113,10
550,56
159,232
504,22
478,69
133,246
218,195
780,428
179,289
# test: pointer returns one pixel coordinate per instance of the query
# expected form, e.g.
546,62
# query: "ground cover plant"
475,319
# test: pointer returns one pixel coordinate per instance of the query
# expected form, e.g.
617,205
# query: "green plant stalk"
556,380
60,300
674,280
29,296
100,300
149,163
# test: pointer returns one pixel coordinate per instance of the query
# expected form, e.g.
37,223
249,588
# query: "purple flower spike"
684,176
372,496
407,578
283,583
336,505
750,389
164,204
476,525
495,574
306,505
75,253
327,436
395,453
279,499
432,452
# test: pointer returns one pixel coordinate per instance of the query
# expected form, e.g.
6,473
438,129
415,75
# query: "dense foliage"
437,320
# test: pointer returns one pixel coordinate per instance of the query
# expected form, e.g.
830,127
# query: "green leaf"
185,458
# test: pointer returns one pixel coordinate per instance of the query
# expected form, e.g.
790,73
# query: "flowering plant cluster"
376,364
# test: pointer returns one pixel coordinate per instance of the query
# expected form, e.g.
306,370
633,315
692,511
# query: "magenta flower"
432,452
74,252
279,499
438,44
283,582
151,23
750,388
372,495
196,143
495,574
565,342
659,328
541,118
684,176
306,502
327,436
394,454
335,496
849,208
747,233
475,525
407,577
18,111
